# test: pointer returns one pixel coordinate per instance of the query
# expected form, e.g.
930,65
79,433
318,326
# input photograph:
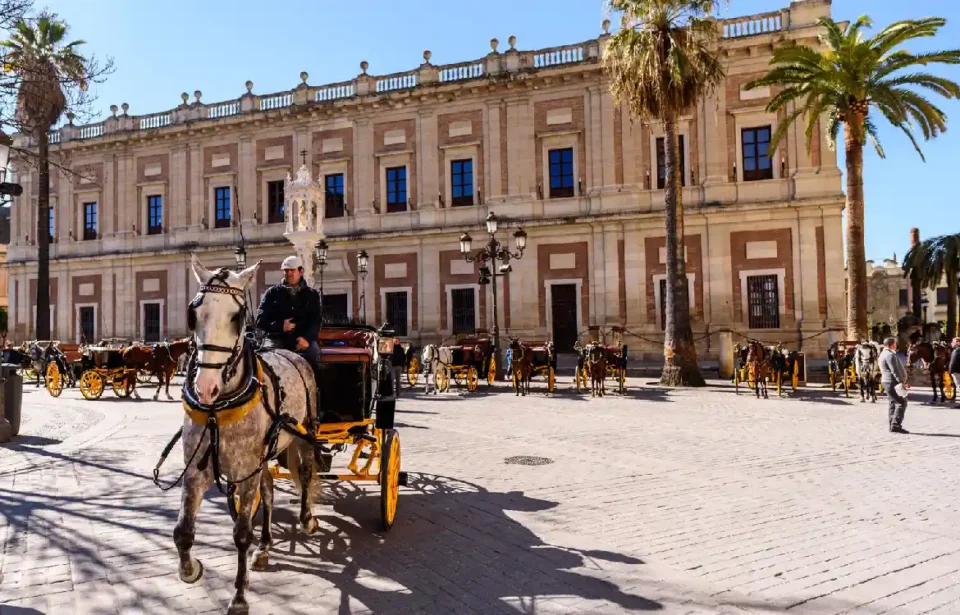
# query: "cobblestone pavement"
682,502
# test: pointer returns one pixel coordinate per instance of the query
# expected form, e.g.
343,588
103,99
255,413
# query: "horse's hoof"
261,559
194,572
311,526
238,606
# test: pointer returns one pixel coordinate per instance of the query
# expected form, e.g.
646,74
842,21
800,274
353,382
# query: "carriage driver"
289,315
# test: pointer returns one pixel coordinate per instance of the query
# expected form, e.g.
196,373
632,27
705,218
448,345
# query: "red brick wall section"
288,154
443,131
821,274
380,281
504,163
784,260
622,280
217,151
410,130
86,177
542,128
694,264
446,278
349,184
580,271
618,144
644,158
160,294
95,298
33,304
268,275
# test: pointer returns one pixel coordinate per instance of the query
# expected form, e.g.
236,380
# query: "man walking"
892,373
954,367
398,363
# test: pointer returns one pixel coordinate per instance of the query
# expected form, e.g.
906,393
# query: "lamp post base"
6,430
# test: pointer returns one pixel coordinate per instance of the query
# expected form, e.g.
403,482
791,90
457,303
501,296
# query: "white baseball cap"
292,262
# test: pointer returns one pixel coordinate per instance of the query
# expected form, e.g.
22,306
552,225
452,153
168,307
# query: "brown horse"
937,357
159,360
758,365
597,366
521,362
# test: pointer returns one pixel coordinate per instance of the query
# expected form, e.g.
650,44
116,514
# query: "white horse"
867,364
434,359
232,402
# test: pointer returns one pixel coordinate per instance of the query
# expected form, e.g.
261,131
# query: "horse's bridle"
235,353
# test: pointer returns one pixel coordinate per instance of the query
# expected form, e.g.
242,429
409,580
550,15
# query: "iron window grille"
397,312
396,189
335,203
151,322
942,296
52,227
464,310
904,297
461,182
154,215
756,149
335,308
662,163
275,202
87,324
89,221
222,211
763,302
561,173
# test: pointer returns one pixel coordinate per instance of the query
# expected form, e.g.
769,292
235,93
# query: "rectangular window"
396,189
275,202
335,308
464,310
87,318
335,203
396,311
89,221
461,183
763,302
52,229
151,322
756,149
154,215
561,173
662,163
942,298
222,210
904,297
663,304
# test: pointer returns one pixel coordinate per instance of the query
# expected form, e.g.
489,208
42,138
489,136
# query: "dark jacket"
955,361
280,303
399,356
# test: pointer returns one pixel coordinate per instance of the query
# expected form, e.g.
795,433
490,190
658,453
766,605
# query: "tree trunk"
679,353
42,323
856,255
951,304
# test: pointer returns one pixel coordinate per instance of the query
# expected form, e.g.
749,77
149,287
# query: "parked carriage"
106,368
543,363
411,364
840,365
63,368
471,359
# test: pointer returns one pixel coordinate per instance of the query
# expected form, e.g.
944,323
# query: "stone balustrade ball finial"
606,26
427,55
364,66
303,77
125,108
249,86
197,94
113,110
70,117
513,41
184,97
493,45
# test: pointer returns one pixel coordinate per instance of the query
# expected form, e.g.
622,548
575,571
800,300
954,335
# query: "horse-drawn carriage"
841,366
759,365
935,357
64,366
598,360
471,358
106,366
529,359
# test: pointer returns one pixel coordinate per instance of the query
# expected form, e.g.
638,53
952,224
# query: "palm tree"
660,63
845,79
931,261
38,54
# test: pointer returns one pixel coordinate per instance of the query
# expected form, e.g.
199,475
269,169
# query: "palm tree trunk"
856,254
43,237
679,353
951,304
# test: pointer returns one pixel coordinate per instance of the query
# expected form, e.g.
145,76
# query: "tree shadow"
30,441
18,610
935,435
453,543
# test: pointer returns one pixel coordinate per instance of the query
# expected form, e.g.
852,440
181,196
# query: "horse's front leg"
169,372
307,472
160,376
195,483
933,385
243,538
261,558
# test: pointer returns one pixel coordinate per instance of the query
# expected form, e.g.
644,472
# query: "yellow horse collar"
229,415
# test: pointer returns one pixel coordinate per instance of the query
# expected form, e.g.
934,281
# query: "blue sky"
164,48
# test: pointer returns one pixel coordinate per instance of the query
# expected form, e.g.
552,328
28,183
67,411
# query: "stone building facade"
409,161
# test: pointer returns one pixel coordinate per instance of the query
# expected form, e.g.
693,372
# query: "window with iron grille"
396,189
87,318
662,163
942,298
396,311
335,308
221,197
335,202
756,149
89,220
275,202
461,182
151,322
663,304
561,173
464,310
763,302
154,215
904,297
51,230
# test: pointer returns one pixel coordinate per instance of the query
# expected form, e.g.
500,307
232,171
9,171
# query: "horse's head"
756,352
915,352
217,317
179,348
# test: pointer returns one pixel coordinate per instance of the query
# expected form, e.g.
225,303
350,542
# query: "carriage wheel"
54,379
91,385
144,377
751,376
473,379
459,377
389,477
492,370
948,391
29,373
123,385
442,380
233,502
833,381
551,380
413,371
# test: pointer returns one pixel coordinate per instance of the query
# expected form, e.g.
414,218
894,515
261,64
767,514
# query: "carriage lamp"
520,239
492,222
321,251
466,243
7,188
240,254
362,262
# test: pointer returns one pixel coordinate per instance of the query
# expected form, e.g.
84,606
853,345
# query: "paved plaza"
673,502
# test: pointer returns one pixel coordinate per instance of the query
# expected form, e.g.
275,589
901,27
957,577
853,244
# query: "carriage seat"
345,345
71,352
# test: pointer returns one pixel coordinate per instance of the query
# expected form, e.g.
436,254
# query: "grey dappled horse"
868,369
434,359
224,370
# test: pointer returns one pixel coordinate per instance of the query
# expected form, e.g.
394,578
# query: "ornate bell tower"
303,199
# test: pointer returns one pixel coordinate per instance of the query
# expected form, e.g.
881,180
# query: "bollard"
725,352
12,397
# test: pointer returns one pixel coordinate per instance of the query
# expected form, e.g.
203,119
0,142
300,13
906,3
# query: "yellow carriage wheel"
473,379
948,391
54,380
123,385
622,379
492,370
551,380
752,376
779,379
442,380
833,381
91,385
389,477
413,371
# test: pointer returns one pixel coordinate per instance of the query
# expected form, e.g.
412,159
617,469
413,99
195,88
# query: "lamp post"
6,188
492,252
240,255
363,261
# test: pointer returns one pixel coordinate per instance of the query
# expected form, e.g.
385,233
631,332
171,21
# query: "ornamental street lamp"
240,255
494,251
320,251
7,188
363,261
